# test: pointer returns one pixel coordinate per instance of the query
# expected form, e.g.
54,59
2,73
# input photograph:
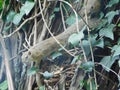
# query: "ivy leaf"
107,62
116,50
4,85
107,31
90,83
71,20
110,15
93,84
48,75
102,24
119,63
86,44
75,38
17,18
52,16
42,88
118,42
27,7
57,9
10,16
112,2
100,43
32,71
56,54
75,59
76,1
87,66
86,47
118,25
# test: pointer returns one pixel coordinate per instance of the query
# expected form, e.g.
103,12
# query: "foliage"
47,75
42,88
99,37
33,70
75,38
55,55
105,35
87,66
4,85
90,84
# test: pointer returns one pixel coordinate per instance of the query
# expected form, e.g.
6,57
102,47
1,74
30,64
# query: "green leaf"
93,84
100,43
112,2
48,75
110,15
87,66
76,1
81,83
55,55
32,71
75,59
101,15
52,16
4,85
10,16
102,24
27,7
86,46
90,84
42,88
118,42
93,39
118,25
107,31
75,38
116,50
119,63
71,20
1,3
107,62
17,18
57,9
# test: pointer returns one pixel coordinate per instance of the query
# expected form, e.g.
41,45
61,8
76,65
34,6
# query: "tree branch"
46,47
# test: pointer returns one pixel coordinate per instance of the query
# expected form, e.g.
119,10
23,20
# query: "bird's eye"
92,7
29,53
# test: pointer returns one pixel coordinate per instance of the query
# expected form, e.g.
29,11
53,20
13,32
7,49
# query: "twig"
8,72
63,21
35,27
51,32
108,69
23,24
89,38
76,15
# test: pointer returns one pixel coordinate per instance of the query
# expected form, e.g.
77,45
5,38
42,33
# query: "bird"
95,9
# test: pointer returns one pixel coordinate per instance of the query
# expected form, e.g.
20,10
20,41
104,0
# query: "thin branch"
21,25
35,27
63,21
109,69
51,32
89,39
6,61
76,15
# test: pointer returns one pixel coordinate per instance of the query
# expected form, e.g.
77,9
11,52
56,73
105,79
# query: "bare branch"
46,47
